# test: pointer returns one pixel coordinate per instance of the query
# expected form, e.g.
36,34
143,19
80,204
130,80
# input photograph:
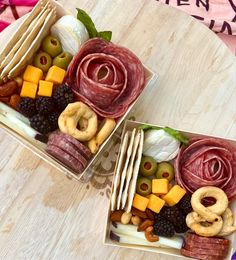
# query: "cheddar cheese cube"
29,89
174,195
140,202
170,186
55,75
45,88
32,74
155,203
160,186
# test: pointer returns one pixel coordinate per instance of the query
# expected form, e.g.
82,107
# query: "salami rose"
207,162
106,76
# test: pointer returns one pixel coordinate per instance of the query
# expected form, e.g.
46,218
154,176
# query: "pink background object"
217,15
11,10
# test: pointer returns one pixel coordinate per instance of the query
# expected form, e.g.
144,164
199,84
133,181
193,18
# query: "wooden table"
43,214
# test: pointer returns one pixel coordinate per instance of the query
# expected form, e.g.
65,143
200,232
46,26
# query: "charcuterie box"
8,120
127,214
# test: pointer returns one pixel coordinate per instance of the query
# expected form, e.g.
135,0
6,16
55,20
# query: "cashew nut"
150,236
136,220
126,217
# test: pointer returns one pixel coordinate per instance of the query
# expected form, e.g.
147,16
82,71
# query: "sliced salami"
204,247
85,152
207,162
192,243
210,250
206,240
64,157
199,256
106,76
70,149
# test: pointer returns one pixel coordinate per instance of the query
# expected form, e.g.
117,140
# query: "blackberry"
40,124
158,217
181,227
53,120
185,204
27,107
63,95
172,214
44,105
163,228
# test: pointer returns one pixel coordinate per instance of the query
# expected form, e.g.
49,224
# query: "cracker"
26,45
132,186
130,170
35,45
22,28
120,164
124,172
12,56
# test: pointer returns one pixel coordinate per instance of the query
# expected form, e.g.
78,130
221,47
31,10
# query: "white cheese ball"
70,32
160,145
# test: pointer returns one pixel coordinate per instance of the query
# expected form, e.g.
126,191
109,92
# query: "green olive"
165,170
43,61
144,186
62,60
52,46
148,166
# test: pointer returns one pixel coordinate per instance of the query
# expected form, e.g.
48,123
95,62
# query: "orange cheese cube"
55,75
160,186
32,74
169,188
45,88
29,89
155,203
140,202
174,195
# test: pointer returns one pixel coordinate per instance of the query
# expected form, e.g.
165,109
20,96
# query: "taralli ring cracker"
210,213
214,220
69,118
228,225
207,231
106,127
